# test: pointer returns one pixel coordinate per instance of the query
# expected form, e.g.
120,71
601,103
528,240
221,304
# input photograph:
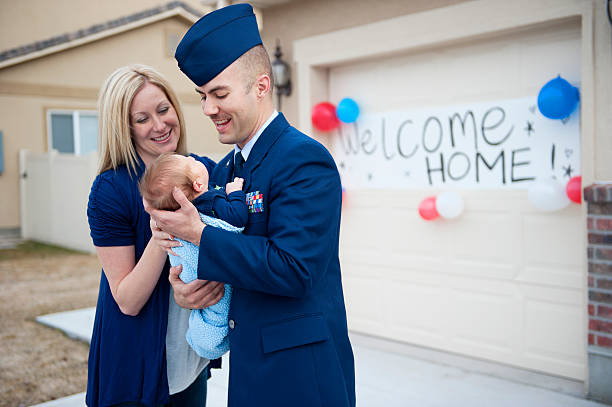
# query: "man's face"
233,109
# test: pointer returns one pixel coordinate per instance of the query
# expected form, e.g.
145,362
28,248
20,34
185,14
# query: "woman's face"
154,123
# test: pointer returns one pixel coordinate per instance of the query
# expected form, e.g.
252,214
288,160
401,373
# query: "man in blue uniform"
289,344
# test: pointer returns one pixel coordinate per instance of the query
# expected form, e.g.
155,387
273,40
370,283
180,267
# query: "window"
73,132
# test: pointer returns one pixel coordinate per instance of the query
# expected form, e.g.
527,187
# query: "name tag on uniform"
254,201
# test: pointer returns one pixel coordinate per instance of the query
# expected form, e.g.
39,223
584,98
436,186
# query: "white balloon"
548,195
449,204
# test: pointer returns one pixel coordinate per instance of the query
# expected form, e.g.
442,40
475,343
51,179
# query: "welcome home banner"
501,144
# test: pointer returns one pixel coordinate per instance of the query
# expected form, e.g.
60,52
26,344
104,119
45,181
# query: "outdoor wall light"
282,75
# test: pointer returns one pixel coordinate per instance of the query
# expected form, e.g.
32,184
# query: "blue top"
127,354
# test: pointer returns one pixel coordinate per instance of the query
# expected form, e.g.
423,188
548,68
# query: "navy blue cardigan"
127,355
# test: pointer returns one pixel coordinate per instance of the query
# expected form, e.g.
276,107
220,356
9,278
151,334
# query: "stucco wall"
602,61
23,22
71,80
301,19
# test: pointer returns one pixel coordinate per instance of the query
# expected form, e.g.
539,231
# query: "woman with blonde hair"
138,353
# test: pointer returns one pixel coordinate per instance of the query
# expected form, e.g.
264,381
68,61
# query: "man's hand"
196,295
184,223
235,185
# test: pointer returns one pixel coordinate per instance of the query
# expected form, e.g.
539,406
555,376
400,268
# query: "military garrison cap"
215,41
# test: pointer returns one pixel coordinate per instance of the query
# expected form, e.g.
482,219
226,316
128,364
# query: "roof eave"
177,12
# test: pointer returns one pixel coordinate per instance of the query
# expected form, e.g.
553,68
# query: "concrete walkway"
390,378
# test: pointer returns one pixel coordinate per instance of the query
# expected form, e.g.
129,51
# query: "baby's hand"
235,185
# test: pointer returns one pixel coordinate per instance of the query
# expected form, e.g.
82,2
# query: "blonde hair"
114,103
164,173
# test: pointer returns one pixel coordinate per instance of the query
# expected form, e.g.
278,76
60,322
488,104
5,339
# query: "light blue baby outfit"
208,329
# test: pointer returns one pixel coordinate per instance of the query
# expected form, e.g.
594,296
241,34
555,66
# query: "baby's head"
168,171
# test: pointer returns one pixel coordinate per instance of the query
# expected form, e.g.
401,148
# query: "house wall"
302,19
71,80
37,20
305,18
327,42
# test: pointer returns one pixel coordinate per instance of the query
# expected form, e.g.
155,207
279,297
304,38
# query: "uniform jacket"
289,344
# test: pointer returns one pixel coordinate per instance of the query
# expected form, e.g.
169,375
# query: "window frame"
76,117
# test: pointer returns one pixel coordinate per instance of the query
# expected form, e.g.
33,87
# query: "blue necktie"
238,164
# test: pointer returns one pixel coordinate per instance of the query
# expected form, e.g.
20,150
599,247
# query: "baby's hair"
164,173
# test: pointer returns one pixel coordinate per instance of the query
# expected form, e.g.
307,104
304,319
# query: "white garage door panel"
483,319
550,342
503,282
364,316
485,236
407,302
560,276
553,240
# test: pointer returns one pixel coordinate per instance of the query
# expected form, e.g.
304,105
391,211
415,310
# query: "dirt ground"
38,363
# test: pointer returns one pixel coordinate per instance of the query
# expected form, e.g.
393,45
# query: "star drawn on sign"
529,129
568,171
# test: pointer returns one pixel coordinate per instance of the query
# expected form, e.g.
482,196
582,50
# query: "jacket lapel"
224,170
262,146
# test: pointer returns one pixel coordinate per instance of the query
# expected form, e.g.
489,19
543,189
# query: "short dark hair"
255,62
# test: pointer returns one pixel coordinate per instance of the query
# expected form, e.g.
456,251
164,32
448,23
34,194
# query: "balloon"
558,99
449,204
347,110
324,116
548,195
573,189
427,208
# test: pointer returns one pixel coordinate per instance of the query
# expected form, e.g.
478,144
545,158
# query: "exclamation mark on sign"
552,157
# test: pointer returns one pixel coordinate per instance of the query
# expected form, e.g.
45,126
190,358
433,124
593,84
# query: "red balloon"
427,208
324,116
573,189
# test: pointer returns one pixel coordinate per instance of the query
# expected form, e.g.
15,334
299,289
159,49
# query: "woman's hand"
162,239
184,223
197,294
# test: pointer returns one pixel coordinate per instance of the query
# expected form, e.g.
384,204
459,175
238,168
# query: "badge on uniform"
254,201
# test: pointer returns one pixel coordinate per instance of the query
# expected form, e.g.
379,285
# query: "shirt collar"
249,146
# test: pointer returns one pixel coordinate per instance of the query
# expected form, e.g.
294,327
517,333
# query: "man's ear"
262,85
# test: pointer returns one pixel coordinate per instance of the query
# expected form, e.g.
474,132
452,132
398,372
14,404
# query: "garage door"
504,282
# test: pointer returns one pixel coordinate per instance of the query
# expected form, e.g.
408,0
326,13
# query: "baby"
208,327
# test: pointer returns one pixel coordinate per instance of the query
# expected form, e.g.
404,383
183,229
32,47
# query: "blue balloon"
558,99
347,110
